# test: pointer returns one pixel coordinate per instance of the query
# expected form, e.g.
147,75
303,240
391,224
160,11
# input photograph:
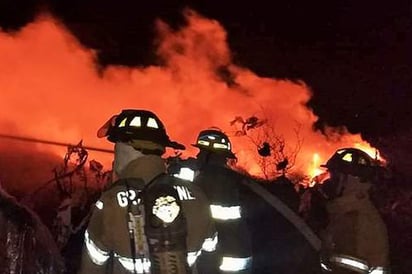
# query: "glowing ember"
50,89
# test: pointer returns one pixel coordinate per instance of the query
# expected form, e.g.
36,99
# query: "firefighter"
145,221
26,244
355,239
223,187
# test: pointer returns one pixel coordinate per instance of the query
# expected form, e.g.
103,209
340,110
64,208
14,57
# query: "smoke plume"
52,88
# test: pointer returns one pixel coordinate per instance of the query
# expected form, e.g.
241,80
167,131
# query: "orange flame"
314,169
51,89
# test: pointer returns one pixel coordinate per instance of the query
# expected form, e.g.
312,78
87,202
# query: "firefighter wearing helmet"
145,221
355,239
223,187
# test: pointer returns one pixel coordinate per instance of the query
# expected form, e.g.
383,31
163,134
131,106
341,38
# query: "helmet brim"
175,145
103,131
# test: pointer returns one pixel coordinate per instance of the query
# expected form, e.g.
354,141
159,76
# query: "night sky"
354,55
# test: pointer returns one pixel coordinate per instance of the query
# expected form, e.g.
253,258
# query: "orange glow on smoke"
51,89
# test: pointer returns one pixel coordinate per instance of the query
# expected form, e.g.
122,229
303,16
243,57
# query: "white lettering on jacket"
184,193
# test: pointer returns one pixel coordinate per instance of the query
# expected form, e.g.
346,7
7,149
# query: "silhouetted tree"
277,158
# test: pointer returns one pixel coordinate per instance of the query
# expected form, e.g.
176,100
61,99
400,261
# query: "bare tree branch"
277,157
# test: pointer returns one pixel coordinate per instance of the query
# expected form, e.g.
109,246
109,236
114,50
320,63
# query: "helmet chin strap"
123,155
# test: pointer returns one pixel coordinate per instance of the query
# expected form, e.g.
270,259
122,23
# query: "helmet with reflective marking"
137,124
352,161
214,140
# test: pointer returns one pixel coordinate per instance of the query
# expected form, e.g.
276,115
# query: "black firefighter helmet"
353,161
138,124
214,140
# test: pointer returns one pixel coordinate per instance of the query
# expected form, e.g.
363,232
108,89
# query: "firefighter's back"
169,232
225,192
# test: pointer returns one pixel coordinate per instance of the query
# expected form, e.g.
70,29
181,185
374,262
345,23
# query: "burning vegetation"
52,88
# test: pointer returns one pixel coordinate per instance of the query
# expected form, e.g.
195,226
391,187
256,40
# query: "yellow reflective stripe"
209,245
225,212
325,267
136,122
204,143
379,270
192,257
151,122
99,204
217,145
123,123
347,158
351,263
235,264
142,265
97,255
186,173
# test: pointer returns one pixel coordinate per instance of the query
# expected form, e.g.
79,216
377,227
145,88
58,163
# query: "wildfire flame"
314,169
52,89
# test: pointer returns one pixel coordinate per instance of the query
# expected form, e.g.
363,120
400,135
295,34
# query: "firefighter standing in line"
26,244
224,190
184,226
355,239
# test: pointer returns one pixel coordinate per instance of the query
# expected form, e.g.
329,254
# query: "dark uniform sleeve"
234,252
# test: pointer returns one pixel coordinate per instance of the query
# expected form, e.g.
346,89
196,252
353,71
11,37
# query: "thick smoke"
52,88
